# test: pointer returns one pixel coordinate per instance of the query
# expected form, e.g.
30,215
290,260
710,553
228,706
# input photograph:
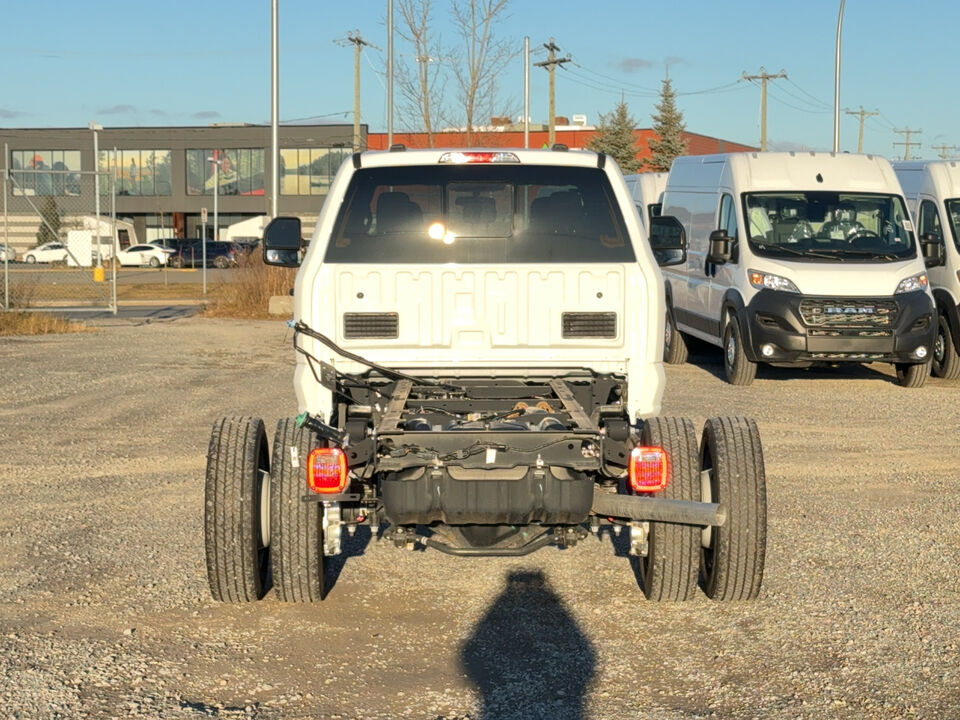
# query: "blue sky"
191,63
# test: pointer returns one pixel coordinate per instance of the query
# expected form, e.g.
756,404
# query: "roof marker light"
463,158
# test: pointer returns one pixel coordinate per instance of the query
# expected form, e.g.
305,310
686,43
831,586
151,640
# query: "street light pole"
836,82
216,221
96,188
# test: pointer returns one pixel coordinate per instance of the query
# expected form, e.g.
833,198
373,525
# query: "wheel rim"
731,348
940,345
667,332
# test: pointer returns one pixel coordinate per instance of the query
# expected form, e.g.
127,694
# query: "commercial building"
165,176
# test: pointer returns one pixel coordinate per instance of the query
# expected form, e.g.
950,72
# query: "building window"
309,171
45,172
138,172
241,171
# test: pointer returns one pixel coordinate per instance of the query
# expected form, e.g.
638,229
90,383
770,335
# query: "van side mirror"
282,242
720,243
932,250
668,240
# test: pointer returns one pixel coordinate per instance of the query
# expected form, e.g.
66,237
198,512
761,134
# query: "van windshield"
817,226
953,210
479,214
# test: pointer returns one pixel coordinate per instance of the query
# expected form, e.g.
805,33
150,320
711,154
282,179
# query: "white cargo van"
795,258
932,189
646,189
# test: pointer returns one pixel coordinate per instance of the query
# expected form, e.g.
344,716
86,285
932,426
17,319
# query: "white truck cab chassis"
479,337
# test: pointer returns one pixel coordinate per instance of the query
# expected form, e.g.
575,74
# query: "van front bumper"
787,328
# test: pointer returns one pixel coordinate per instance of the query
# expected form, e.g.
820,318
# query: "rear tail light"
327,470
649,469
496,156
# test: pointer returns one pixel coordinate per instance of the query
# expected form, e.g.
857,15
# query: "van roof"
944,174
778,171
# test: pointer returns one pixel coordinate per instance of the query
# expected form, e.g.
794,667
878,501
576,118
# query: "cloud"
206,114
158,112
673,60
10,114
630,65
117,110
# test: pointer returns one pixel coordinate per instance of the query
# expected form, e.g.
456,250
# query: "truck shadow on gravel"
527,656
352,547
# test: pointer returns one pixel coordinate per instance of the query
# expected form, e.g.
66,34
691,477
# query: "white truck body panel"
483,319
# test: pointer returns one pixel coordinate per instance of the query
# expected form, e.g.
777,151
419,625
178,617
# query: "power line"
809,95
942,150
551,64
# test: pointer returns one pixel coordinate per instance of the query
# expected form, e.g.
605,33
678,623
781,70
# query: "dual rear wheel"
727,469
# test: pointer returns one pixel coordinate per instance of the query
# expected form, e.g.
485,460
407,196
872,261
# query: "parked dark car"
219,254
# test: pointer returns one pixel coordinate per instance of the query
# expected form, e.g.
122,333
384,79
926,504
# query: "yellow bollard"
99,275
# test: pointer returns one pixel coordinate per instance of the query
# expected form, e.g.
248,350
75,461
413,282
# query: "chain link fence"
58,239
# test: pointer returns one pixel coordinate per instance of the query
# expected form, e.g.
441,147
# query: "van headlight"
761,281
914,283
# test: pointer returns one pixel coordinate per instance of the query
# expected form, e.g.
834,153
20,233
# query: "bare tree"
481,58
421,85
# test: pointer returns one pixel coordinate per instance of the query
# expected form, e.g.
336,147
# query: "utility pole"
942,151
863,115
551,64
358,43
764,77
907,144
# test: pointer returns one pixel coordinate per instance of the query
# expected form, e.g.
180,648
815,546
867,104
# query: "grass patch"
17,322
248,293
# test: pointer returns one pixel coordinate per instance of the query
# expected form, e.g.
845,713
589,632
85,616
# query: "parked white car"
51,252
7,253
137,255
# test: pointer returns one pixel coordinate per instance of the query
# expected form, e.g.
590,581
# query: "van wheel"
740,370
669,571
732,474
912,375
236,494
946,361
295,526
674,346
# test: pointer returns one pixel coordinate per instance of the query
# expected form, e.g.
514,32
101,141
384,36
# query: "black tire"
732,555
669,571
221,262
945,362
296,532
912,375
176,262
154,262
237,557
740,370
674,346
31,260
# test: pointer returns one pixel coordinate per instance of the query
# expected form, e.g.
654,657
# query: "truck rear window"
479,214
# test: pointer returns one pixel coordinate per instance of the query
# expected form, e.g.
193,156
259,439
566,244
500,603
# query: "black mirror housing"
668,240
720,246
932,250
282,242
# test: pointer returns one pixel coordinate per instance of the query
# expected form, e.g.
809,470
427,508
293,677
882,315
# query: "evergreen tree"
669,126
615,137
49,230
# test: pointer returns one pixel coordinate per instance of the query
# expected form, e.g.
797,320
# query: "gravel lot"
104,608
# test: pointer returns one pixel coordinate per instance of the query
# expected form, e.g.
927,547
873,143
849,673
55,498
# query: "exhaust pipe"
657,509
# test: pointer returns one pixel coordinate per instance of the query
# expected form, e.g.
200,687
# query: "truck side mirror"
720,243
932,250
668,240
282,242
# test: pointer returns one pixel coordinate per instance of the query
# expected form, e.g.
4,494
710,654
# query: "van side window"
728,222
930,220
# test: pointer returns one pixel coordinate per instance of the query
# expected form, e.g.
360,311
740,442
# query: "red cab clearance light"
496,156
327,470
649,469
